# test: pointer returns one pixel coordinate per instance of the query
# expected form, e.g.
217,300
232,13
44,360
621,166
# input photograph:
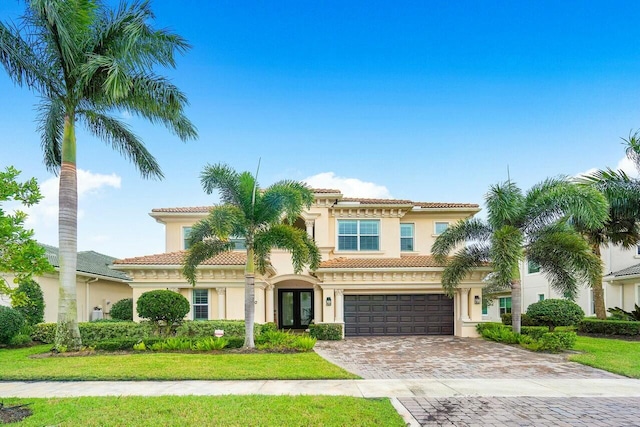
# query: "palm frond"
461,264
505,205
632,148
50,119
223,178
200,252
506,253
471,229
285,197
123,140
294,240
222,223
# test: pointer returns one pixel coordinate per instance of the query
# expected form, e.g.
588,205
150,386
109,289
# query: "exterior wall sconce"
328,302
477,299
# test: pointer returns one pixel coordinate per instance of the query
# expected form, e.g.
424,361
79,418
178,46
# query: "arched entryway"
295,302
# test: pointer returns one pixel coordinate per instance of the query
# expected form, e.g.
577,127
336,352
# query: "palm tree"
89,63
622,228
535,225
257,216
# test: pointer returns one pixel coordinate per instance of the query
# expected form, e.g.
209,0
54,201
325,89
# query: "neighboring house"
97,285
377,276
621,284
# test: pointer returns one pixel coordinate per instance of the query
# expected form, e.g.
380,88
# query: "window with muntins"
533,267
358,235
440,227
186,232
200,304
540,297
505,305
239,243
406,237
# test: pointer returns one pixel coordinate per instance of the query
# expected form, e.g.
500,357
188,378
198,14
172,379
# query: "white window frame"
184,236
413,237
435,227
505,307
194,304
637,293
358,235
529,267
541,295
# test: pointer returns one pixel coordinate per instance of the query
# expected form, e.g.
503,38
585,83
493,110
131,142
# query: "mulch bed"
12,414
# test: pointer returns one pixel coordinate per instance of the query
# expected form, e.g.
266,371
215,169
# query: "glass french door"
295,308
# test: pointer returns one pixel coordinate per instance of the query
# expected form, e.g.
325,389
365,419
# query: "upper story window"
186,232
532,267
358,235
505,305
440,227
406,237
239,243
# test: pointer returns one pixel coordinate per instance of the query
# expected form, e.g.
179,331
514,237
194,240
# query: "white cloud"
350,187
624,164
45,213
126,115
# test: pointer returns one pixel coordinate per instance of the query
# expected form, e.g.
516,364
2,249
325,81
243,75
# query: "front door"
295,308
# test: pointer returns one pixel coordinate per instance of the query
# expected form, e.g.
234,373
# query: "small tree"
29,300
163,307
11,321
122,310
555,312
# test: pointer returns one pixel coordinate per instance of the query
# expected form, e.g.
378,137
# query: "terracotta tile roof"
176,258
402,262
193,209
436,205
325,190
378,201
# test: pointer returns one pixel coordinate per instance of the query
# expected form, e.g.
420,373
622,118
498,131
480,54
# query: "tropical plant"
555,312
257,216
535,225
30,301
621,314
20,255
88,63
622,227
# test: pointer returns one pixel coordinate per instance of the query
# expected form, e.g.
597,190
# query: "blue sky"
429,101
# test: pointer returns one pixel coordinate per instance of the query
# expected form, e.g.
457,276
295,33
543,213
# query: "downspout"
86,296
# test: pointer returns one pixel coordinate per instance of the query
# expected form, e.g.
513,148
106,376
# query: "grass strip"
617,356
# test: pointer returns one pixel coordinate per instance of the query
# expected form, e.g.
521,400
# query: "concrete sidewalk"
398,388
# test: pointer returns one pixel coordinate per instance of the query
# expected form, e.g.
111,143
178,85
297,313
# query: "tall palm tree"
257,216
535,225
89,63
622,228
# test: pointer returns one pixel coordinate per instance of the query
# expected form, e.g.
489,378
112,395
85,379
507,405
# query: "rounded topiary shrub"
11,321
162,306
122,310
33,308
555,312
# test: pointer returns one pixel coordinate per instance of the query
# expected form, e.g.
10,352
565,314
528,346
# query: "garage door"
422,314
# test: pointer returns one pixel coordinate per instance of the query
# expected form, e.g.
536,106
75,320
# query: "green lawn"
17,365
210,410
617,356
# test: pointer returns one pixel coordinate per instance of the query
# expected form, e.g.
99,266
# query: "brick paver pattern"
447,357
524,411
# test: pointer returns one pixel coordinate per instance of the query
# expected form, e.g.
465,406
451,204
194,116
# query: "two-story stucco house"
377,276
621,283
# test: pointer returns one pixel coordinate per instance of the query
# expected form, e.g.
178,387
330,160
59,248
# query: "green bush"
555,342
500,333
304,343
620,314
11,321
268,327
116,344
235,342
122,310
326,331
163,307
555,312
535,332
33,307
609,327
524,320
20,340
209,344
206,328
93,332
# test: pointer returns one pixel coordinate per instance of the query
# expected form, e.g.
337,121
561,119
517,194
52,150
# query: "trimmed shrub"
33,308
555,312
326,331
20,340
235,342
116,344
268,327
609,327
11,321
535,332
555,342
93,332
44,332
206,328
524,320
122,310
163,307
499,333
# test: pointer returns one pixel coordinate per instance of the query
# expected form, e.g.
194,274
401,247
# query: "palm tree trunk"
249,297
516,305
67,332
596,286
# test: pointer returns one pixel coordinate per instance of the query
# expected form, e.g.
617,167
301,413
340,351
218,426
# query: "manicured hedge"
524,320
93,332
198,328
326,331
609,327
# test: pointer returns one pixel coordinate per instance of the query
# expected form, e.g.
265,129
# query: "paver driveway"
447,357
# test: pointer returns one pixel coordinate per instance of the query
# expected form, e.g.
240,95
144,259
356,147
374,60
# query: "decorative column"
339,305
222,306
318,303
464,305
309,224
268,290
